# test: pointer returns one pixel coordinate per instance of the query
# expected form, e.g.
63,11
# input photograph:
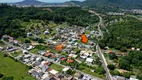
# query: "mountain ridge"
112,3
31,2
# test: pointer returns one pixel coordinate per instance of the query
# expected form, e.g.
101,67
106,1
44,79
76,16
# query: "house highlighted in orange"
59,47
84,39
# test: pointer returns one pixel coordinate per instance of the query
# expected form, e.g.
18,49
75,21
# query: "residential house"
47,54
70,61
45,76
65,69
77,75
118,78
25,52
89,60
73,55
29,34
54,72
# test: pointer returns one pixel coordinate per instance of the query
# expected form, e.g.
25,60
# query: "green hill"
112,4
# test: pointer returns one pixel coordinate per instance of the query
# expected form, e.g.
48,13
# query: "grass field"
35,50
17,53
88,71
56,67
8,67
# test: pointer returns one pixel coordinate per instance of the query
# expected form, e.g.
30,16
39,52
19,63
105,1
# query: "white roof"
46,31
30,47
26,60
25,51
53,72
38,58
42,63
42,52
86,54
45,75
1,47
54,42
83,57
89,60
85,77
26,56
66,69
73,55
82,52
133,79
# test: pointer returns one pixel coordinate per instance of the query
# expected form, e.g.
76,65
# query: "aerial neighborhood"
71,40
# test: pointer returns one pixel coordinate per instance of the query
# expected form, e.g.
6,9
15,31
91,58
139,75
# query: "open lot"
56,67
8,67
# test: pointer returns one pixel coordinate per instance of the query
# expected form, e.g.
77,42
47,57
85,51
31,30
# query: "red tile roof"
70,61
47,54
47,63
53,56
63,59
109,51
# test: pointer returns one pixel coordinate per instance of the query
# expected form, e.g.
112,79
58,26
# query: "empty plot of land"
9,67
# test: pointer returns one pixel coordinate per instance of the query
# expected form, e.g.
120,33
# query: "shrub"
1,75
111,66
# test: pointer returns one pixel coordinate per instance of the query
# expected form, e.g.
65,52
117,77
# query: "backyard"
56,67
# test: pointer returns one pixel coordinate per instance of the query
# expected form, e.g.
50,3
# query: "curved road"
100,22
98,50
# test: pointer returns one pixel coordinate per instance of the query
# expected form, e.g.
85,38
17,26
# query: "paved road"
104,63
100,22
98,50
93,77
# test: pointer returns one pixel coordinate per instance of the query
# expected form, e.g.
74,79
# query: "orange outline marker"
59,47
84,39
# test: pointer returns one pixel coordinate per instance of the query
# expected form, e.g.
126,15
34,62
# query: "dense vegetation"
124,35
132,62
12,17
111,5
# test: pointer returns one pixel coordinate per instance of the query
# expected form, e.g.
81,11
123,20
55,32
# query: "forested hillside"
112,5
124,34
11,17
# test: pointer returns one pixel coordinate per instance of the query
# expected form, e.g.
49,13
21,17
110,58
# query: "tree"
78,51
111,66
98,62
115,72
41,40
126,74
100,70
123,49
27,41
70,72
5,55
8,78
30,67
1,75
102,44
112,56
81,67
124,64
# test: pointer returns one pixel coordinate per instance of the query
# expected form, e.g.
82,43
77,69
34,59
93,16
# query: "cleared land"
56,67
8,67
